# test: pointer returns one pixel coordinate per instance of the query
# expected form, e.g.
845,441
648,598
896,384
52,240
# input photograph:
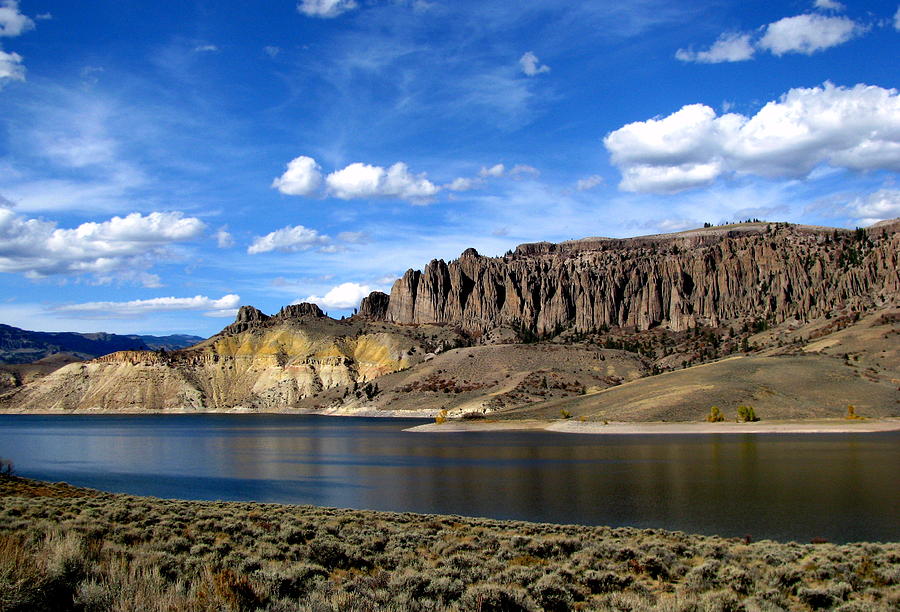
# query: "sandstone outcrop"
259,362
679,281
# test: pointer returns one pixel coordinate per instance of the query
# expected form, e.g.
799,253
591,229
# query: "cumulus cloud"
462,184
11,67
342,297
290,239
302,177
120,247
325,8
729,47
224,239
495,171
878,206
226,306
13,22
531,65
808,33
829,5
360,180
856,128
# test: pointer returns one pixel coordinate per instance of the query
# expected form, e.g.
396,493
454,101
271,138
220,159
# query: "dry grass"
99,551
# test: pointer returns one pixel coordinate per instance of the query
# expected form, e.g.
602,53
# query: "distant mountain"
24,346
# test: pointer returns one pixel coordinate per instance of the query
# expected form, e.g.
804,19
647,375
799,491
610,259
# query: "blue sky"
162,163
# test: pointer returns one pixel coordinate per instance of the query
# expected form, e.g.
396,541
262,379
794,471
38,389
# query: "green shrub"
715,415
746,414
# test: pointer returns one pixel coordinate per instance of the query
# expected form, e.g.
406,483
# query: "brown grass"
100,551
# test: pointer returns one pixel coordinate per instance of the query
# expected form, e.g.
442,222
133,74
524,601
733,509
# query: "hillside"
799,322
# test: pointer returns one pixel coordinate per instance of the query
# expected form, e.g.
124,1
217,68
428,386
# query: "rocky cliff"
680,281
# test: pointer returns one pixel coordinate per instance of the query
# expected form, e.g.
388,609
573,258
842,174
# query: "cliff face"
702,277
259,362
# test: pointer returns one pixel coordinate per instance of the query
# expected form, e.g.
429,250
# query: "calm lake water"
842,487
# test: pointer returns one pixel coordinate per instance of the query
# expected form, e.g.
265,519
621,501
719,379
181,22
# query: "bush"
746,414
565,414
496,598
715,415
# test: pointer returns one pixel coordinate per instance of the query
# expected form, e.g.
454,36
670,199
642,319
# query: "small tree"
6,467
746,414
715,415
851,412
441,417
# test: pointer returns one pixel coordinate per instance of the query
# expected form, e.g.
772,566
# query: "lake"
842,487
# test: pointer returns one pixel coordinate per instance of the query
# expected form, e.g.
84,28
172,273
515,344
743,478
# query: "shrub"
746,414
441,417
715,415
497,598
565,414
851,413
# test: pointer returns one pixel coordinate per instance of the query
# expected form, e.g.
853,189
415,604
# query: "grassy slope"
64,548
778,387
819,369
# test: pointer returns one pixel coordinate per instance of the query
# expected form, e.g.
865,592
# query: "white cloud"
829,5
11,67
272,50
728,47
290,239
226,306
206,48
302,177
589,182
856,128
325,8
494,171
360,180
531,65
808,34
520,169
12,22
878,206
805,34
463,184
897,19
224,239
342,297
120,247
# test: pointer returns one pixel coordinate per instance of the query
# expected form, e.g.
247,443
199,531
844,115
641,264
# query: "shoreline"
813,426
571,426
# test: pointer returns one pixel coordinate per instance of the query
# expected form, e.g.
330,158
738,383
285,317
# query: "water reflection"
841,487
